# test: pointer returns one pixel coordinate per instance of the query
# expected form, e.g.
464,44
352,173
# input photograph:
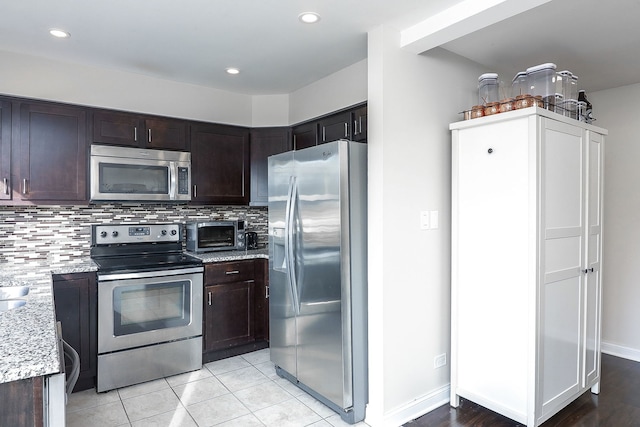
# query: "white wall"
338,90
617,110
31,77
411,100
270,110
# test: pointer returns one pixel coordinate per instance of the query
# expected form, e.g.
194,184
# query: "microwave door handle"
172,180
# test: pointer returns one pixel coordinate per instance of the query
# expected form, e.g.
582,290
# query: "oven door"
138,309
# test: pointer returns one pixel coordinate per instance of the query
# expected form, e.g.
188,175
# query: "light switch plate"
425,216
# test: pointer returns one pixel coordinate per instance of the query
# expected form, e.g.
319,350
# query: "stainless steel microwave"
215,236
138,174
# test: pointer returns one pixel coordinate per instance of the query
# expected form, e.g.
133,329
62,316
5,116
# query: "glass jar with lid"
519,84
541,80
488,88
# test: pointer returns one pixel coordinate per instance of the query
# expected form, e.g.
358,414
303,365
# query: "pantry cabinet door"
562,183
593,262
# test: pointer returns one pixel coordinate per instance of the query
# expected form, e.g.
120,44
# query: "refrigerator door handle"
288,242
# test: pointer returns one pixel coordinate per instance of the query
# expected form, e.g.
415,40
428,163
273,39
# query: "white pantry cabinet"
526,262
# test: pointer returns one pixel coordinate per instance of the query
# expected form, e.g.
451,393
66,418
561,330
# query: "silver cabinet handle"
232,272
209,298
323,134
135,134
149,136
195,190
346,129
6,186
266,292
24,186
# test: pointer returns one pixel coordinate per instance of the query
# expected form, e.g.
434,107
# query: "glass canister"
519,84
488,88
562,83
541,80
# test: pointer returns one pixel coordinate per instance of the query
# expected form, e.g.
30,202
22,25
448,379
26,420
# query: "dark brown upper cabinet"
305,135
264,143
337,126
220,164
52,153
346,124
359,120
134,130
5,150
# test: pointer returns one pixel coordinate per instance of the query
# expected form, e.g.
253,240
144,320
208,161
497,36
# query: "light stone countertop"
28,338
219,256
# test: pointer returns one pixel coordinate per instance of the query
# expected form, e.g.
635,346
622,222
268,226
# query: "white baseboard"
620,351
415,409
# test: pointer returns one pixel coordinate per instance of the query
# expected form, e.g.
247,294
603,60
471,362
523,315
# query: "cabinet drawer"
236,271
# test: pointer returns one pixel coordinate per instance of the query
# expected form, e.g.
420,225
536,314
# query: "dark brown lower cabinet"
234,309
21,403
75,297
229,319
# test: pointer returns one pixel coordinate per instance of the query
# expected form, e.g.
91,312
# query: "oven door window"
142,308
116,178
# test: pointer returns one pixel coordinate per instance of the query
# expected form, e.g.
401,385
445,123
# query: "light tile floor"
241,391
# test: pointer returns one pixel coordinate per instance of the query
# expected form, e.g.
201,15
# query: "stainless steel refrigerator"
318,272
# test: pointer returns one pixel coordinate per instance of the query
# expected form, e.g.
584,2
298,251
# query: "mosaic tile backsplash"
55,236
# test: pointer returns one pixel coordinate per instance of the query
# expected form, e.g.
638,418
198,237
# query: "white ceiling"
194,41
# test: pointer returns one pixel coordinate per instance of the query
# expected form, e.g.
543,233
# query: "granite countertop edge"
29,339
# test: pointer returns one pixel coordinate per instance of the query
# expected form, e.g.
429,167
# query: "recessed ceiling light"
232,70
309,17
61,34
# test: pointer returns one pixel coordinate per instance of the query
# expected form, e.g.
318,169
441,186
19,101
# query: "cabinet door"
305,135
22,403
220,164
359,120
5,150
264,143
110,127
228,315
261,317
53,152
166,134
593,290
562,274
335,127
76,308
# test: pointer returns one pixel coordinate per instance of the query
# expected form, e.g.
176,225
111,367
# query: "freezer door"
282,320
320,214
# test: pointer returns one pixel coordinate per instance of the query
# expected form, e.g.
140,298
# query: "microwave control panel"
183,180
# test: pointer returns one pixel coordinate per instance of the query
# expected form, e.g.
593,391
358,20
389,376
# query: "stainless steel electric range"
149,303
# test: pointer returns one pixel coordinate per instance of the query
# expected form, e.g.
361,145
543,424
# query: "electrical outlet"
440,360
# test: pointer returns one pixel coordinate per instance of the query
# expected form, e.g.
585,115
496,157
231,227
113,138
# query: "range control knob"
163,232
103,234
114,234
174,232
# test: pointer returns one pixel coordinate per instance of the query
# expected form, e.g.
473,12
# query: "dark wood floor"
617,405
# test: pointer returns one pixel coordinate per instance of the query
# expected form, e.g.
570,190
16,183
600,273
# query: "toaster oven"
215,236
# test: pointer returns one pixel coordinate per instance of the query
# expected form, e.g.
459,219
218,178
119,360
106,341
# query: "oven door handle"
145,274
